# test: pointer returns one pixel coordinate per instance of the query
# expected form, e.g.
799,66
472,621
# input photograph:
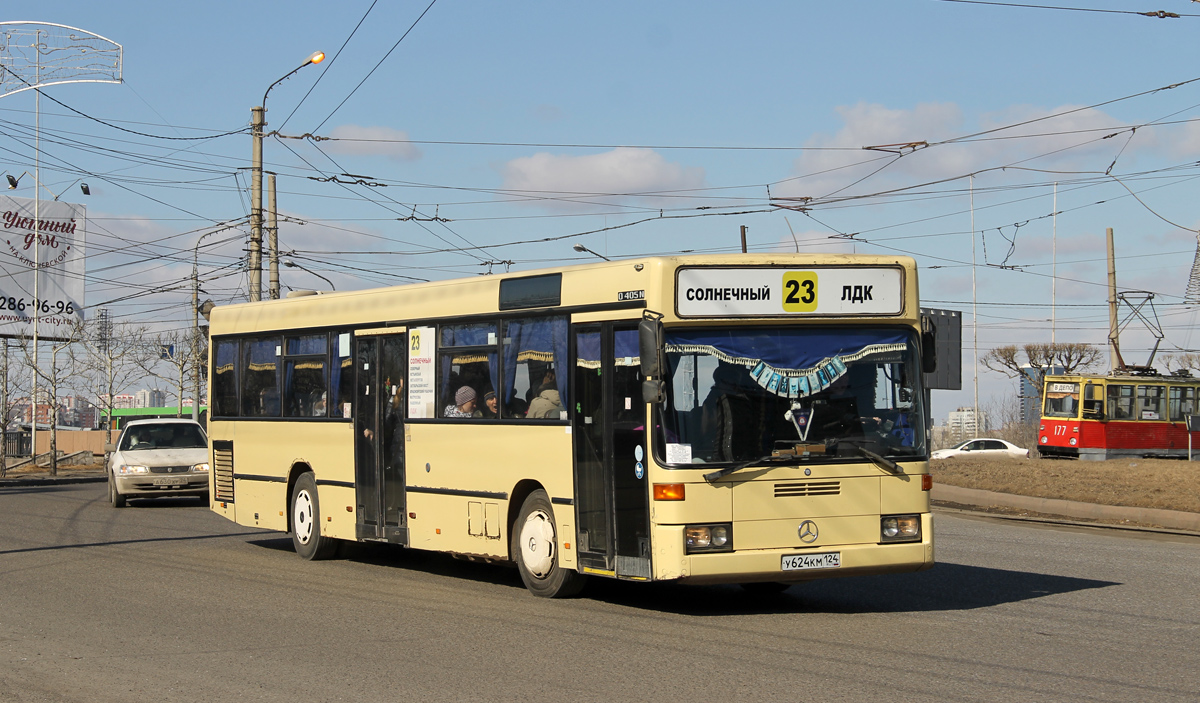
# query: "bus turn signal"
668,491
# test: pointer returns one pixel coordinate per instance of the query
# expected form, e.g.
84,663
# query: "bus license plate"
825,560
170,481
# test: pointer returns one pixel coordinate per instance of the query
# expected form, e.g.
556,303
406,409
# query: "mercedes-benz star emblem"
808,532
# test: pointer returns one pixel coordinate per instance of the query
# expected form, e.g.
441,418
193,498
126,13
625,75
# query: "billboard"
53,250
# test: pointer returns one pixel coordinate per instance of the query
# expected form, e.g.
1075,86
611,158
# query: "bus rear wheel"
310,544
534,546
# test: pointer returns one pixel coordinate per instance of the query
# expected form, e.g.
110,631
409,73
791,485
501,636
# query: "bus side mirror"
652,391
110,448
928,345
650,356
650,343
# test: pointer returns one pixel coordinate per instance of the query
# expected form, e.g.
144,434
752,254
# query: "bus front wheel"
535,549
306,521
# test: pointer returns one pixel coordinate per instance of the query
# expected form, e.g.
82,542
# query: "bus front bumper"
752,565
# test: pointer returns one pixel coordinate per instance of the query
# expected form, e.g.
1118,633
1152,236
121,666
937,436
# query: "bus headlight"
708,538
900,528
129,469
201,468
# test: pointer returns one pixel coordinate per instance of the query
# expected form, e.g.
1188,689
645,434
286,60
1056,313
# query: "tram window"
1062,400
1093,401
1120,402
1150,402
1182,402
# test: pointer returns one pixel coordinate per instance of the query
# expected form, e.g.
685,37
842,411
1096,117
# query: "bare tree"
1187,361
174,357
1038,357
57,375
12,387
1032,361
110,358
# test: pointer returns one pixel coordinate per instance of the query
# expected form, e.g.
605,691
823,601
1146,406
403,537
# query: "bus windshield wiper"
710,477
878,459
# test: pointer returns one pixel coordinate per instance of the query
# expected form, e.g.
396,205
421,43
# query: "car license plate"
824,560
170,481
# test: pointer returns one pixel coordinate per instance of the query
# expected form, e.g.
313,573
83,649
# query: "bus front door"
611,492
380,367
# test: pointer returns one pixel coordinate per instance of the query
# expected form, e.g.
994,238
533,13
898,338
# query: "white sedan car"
982,447
153,458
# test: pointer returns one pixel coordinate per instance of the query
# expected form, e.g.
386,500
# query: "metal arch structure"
36,55
40,54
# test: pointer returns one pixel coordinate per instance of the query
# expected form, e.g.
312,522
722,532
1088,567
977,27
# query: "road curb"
49,480
1174,519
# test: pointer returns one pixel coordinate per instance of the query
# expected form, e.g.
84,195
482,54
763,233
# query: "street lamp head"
317,57
85,189
580,248
12,182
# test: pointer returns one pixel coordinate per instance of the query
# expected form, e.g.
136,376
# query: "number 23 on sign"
800,291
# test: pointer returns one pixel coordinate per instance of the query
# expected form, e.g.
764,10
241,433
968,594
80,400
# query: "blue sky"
524,121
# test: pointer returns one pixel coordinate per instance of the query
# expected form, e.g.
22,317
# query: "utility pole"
257,122
196,337
1115,362
743,239
273,233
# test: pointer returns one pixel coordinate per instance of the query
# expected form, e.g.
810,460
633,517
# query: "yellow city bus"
753,419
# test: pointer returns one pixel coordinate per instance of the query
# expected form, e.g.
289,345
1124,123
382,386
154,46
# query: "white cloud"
355,140
839,161
621,176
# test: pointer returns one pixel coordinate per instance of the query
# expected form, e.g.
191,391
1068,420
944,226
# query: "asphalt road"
165,601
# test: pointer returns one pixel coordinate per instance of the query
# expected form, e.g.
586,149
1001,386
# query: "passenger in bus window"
318,408
516,408
491,409
547,405
464,404
548,381
393,426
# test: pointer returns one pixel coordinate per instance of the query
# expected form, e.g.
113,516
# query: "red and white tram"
1110,416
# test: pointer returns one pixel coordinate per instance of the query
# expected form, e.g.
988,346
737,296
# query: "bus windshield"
741,394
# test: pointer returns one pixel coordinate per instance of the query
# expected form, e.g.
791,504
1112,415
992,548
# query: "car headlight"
900,528
201,467
127,469
708,538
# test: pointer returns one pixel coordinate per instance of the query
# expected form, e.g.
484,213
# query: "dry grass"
1140,483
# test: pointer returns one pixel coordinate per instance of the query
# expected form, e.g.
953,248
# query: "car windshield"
736,395
166,435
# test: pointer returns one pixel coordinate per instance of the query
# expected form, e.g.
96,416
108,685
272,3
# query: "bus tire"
534,545
310,544
114,496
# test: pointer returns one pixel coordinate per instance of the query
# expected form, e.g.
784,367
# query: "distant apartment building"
124,401
1031,395
964,424
150,398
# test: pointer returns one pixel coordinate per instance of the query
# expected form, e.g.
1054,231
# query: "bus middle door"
380,401
611,492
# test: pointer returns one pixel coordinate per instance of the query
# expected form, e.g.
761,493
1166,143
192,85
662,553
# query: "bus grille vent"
223,470
807,488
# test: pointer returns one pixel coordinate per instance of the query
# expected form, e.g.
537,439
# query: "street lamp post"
294,265
584,250
258,120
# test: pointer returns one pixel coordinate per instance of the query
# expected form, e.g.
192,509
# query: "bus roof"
585,285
